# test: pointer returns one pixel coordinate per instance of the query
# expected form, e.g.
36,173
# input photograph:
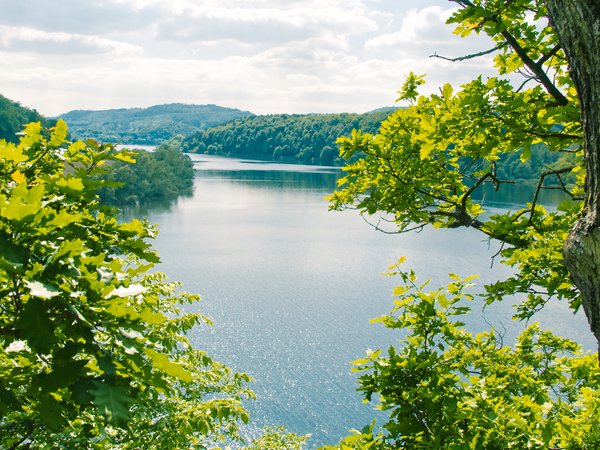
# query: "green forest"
147,126
309,138
142,176
13,116
163,174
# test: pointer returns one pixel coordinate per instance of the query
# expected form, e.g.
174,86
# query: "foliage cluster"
13,117
444,387
163,174
148,126
308,139
93,347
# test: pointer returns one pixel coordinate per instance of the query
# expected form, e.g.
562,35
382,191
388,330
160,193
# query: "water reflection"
146,209
314,181
515,196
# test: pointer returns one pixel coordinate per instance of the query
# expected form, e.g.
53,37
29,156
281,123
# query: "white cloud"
265,56
427,25
271,23
76,16
17,39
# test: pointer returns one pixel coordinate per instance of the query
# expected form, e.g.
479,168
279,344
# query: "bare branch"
554,135
378,228
540,184
472,55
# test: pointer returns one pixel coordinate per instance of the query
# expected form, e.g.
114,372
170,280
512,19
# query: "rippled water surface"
291,287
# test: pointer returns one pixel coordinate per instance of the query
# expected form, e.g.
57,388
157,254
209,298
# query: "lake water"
291,287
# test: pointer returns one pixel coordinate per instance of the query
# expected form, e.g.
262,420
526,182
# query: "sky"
263,56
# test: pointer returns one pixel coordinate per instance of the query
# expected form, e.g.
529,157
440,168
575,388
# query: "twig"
472,55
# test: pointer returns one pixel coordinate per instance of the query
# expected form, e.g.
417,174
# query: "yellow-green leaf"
162,362
59,133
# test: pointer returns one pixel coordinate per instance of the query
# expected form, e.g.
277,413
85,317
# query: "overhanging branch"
536,68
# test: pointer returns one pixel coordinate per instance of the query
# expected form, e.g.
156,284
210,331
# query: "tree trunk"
577,23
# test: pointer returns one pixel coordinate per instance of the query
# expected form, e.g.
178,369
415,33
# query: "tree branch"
540,184
548,55
472,55
536,67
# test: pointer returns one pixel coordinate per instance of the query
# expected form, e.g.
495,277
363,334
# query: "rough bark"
577,23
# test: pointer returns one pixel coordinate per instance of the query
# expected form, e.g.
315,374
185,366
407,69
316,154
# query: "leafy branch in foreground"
444,387
93,346
447,388
430,162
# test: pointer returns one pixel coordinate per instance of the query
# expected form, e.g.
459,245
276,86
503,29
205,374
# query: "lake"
291,286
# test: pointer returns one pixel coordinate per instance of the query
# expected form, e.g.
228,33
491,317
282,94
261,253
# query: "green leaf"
69,248
151,317
525,154
113,401
23,202
35,325
447,91
71,184
64,218
63,374
127,291
162,362
127,157
12,257
426,148
11,153
59,133
51,412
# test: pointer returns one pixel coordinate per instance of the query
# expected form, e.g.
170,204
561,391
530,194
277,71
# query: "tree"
327,155
577,24
298,137
13,116
445,388
93,347
163,174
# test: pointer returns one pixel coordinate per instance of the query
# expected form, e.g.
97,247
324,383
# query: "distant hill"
307,138
385,109
149,126
13,116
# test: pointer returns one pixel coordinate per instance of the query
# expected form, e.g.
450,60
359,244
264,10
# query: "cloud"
266,56
424,26
19,39
311,57
76,16
270,23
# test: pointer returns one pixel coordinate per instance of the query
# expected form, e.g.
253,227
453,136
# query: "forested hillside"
13,116
149,126
311,139
304,138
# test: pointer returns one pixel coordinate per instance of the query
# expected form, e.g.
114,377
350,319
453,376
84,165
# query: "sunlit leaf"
163,362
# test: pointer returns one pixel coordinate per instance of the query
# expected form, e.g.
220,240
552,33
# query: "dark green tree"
13,117
163,174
